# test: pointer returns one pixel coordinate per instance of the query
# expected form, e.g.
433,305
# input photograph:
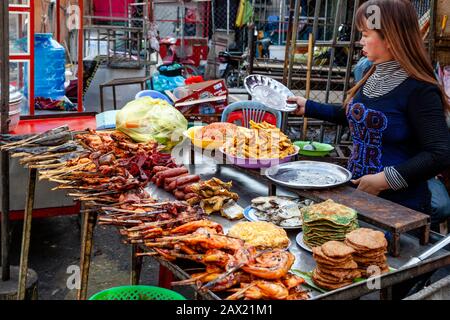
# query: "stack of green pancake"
327,221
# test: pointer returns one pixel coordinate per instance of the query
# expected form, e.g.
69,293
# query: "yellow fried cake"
260,234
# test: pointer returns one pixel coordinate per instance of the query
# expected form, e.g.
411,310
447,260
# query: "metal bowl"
269,92
308,175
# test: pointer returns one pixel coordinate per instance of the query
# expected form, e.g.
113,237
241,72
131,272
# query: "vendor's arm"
327,112
426,116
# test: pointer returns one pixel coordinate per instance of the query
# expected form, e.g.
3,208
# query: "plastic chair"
153,94
244,111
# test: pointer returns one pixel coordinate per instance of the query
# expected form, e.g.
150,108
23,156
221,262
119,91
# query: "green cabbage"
147,119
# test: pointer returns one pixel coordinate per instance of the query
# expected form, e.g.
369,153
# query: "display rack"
131,28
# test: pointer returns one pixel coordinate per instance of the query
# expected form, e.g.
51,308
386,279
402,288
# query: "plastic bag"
146,119
162,83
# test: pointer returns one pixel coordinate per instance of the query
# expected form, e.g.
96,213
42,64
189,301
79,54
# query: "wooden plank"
376,210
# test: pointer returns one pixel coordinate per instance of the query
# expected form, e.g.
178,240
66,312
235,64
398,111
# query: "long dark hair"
399,27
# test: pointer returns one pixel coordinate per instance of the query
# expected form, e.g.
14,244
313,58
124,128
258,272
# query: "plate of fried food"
260,146
211,136
260,234
282,211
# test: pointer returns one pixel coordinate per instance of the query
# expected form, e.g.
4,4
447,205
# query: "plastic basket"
137,293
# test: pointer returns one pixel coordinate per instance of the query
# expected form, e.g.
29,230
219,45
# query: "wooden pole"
251,44
333,49
308,80
293,45
80,60
26,235
4,111
288,41
87,243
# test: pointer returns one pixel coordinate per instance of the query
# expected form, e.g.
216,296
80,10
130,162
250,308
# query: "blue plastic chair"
153,94
252,110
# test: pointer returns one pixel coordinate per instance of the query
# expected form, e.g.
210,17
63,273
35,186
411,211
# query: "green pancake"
327,221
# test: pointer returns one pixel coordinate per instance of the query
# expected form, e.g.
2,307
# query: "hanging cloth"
245,13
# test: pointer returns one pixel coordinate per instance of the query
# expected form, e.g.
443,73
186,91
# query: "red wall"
119,8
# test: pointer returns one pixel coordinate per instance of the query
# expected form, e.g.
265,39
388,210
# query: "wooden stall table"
374,210
377,211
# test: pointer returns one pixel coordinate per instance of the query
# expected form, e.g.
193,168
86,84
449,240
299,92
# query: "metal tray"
308,174
269,92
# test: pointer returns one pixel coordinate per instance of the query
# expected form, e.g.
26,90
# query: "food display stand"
368,207
304,261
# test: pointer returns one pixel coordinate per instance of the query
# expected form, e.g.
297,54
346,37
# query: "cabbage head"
147,119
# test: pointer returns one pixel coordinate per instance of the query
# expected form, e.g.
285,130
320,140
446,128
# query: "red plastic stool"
238,116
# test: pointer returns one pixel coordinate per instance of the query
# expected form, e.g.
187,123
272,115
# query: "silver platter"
269,92
308,175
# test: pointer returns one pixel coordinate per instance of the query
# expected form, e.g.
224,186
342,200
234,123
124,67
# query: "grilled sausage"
179,195
171,172
189,196
187,179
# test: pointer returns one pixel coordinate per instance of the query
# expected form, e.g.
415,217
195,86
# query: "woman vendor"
396,112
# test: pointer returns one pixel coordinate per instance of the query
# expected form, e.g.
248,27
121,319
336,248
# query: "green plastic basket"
137,293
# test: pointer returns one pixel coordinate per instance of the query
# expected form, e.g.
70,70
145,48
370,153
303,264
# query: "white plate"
249,214
299,240
269,92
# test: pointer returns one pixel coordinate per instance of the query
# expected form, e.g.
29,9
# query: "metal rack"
132,31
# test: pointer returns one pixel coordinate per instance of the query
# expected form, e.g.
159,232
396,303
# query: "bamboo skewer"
43,157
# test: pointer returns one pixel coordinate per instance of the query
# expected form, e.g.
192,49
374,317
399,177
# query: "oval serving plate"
257,163
301,243
269,92
308,174
249,214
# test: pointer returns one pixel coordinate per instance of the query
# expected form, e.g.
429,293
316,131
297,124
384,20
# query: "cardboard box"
208,97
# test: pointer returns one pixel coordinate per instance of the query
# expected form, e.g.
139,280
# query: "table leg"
139,49
395,244
272,190
284,122
386,293
108,47
136,265
114,97
165,277
89,221
192,154
26,235
425,236
102,107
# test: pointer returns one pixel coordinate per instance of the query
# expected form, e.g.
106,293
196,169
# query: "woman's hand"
372,183
301,103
